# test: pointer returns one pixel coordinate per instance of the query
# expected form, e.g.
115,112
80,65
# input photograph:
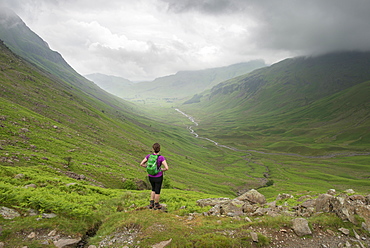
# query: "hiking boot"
157,206
151,205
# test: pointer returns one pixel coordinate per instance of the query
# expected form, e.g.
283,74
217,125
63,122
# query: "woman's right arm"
143,163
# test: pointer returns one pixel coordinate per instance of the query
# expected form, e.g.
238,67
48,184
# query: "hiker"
155,180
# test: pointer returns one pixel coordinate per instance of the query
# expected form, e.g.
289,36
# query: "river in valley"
285,154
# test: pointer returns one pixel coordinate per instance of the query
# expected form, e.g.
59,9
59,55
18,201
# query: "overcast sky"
145,39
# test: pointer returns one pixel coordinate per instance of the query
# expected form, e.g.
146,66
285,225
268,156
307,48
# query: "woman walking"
156,180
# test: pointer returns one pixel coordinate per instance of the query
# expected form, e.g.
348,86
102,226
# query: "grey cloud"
313,26
164,36
205,6
139,64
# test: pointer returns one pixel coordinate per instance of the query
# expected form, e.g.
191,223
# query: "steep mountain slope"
59,122
294,105
183,83
24,42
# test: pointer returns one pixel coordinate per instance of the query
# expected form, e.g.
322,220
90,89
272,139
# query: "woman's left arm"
165,166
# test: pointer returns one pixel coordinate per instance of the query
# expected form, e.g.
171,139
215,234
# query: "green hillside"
309,106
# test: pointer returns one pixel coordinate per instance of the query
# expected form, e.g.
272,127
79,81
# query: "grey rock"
343,230
300,227
65,242
30,186
8,213
323,203
212,201
49,216
253,197
254,237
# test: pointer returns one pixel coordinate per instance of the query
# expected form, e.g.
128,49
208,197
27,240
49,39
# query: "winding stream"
197,136
268,153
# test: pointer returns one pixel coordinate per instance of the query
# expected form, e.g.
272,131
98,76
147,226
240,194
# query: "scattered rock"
19,176
33,212
300,227
283,196
254,237
2,245
8,213
331,192
350,191
343,230
162,244
31,186
364,226
356,235
247,219
31,235
332,233
65,242
49,216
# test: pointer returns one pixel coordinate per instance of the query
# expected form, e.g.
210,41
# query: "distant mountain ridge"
298,81
111,84
180,85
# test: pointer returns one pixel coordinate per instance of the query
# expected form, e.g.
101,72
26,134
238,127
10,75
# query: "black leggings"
156,183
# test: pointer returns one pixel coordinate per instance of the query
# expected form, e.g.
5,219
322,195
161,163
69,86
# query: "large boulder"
300,227
323,203
252,197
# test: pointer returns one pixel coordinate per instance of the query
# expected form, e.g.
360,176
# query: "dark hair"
156,147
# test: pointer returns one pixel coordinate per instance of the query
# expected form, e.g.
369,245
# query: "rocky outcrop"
346,206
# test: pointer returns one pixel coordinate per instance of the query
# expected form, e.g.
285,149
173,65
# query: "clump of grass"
210,240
